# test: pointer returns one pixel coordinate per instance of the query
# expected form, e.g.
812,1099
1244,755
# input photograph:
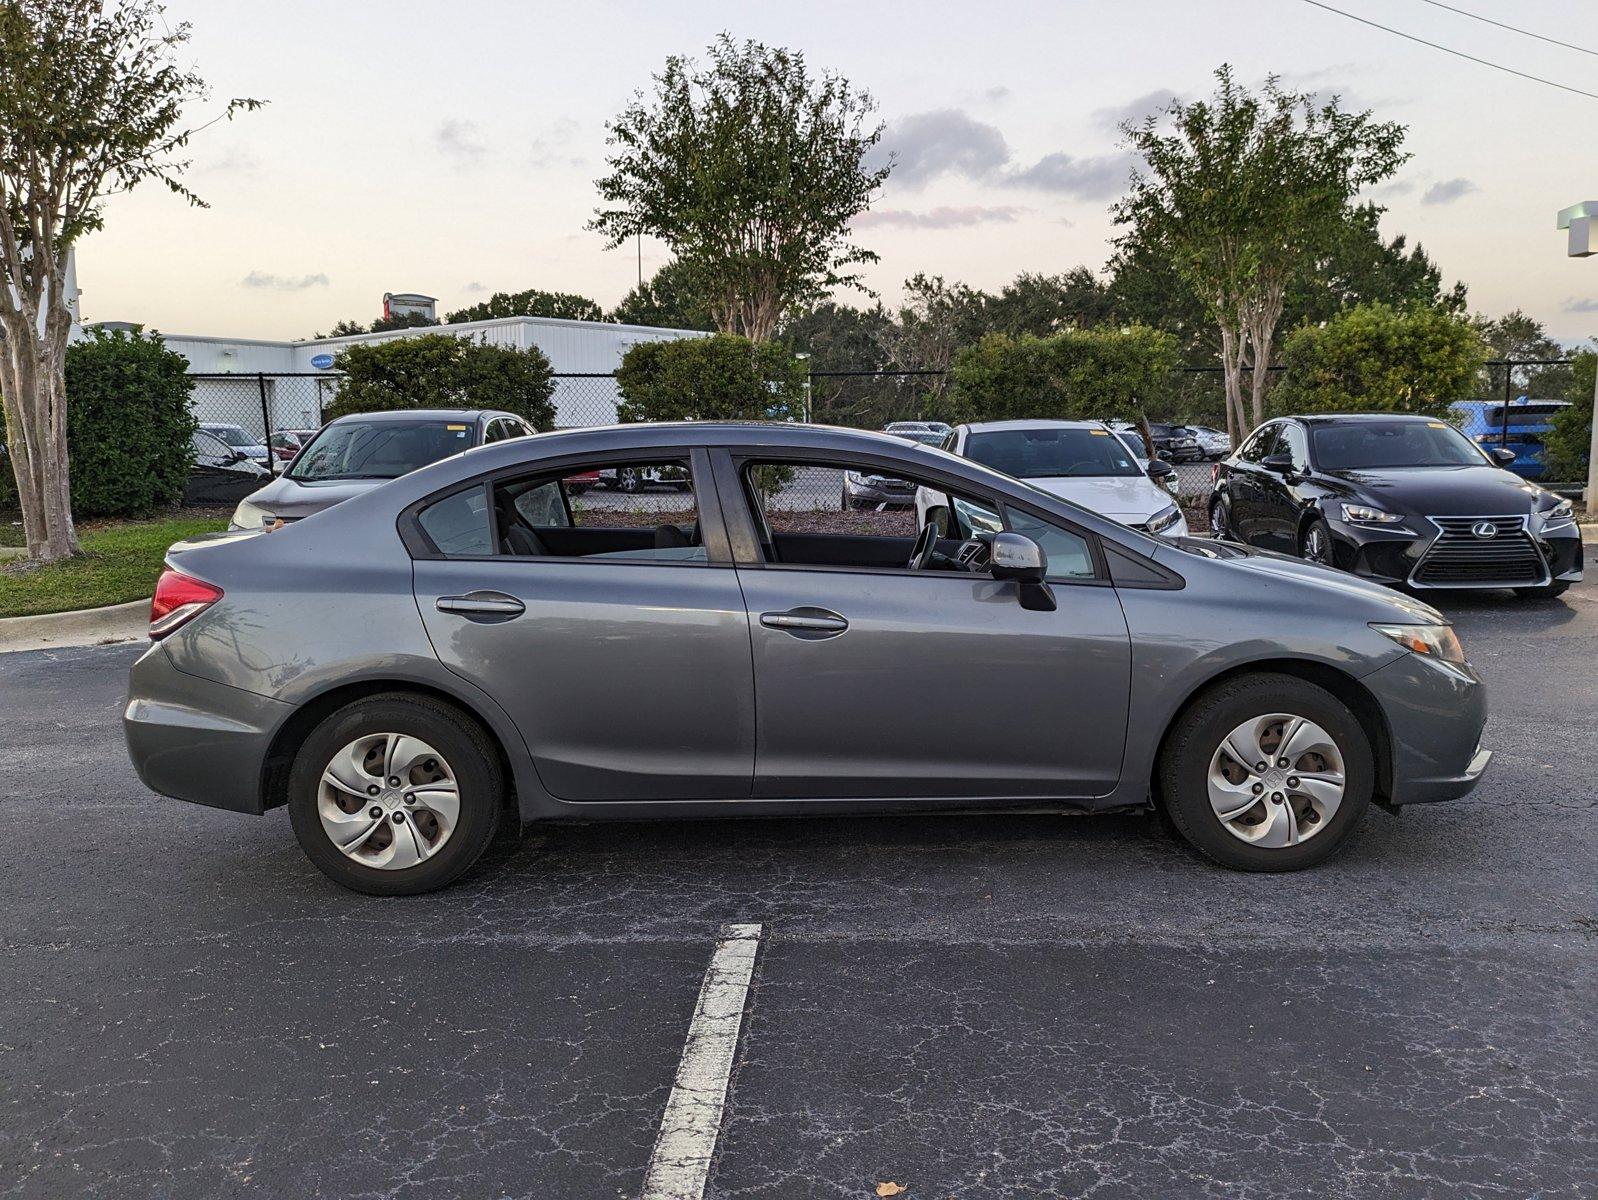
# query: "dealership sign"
322,362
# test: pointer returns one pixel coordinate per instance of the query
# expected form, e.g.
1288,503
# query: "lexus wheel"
395,795
1218,518
1315,543
1267,773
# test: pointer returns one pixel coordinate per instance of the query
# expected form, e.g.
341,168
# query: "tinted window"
1396,443
645,511
1069,555
1261,445
1051,452
380,449
231,434
1295,445
458,524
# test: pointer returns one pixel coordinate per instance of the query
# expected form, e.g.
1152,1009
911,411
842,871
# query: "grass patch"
120,562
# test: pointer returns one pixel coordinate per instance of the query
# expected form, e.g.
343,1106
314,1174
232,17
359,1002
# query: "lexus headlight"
1560,514
250,516
1429,641
1164,519
1363,514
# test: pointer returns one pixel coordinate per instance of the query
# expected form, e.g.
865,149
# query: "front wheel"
395,795
1218,518
1546,592
1267,773
1315,543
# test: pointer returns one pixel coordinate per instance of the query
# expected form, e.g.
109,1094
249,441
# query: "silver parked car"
470,643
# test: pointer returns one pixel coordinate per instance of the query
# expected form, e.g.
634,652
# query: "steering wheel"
926,546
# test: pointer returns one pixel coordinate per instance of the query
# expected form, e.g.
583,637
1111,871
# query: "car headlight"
1364,514
250,516
1429,641
1562,513
854,477
1164,519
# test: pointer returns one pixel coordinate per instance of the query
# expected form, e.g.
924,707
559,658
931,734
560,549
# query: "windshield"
1359,445
1051,453
379,449
231,434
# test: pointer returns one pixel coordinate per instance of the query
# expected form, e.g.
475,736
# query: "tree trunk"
33,384
1232,368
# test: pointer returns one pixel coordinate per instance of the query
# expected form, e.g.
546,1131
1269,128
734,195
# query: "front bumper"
196,740
1435,713
1391,556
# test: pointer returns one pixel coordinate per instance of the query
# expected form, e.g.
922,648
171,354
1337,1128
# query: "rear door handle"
481,604
806,622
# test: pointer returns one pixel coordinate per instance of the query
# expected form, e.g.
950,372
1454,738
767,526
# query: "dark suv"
1405,500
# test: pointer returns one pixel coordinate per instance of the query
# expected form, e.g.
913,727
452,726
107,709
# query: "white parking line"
680,1162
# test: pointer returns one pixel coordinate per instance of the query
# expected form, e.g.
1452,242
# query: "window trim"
712,526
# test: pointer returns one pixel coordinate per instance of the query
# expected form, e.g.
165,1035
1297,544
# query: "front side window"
624,512
357,449
1069,554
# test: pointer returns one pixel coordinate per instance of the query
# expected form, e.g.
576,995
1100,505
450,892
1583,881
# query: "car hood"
293,499
1128,498
1482,491
1378,601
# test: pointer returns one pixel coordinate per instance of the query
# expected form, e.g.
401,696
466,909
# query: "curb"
82,627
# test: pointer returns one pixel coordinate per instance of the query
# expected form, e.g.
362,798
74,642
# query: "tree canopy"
672,298
750,168
567,306
723,377
437,370
1091,374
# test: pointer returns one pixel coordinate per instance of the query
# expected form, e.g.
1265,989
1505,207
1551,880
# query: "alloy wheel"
1217,520
388,800
1316,548
1276,780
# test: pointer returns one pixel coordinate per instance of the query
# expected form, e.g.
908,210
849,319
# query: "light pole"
1582,222
805,358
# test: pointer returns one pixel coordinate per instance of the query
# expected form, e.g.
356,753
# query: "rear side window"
458,524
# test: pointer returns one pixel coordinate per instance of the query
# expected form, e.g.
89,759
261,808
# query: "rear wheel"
1547,592
395,795
629,479
1267,773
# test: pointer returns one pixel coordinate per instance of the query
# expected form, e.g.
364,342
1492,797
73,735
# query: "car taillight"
1215,473
179,598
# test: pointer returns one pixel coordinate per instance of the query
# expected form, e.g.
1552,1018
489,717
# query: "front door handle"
806,622
481,604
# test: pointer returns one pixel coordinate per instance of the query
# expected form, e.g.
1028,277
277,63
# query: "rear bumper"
196,740
1435,714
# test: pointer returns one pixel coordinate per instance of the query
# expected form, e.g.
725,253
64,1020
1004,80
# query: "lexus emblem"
1484,529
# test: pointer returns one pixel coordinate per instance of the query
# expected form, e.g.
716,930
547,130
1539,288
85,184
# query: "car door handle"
805,622
481,604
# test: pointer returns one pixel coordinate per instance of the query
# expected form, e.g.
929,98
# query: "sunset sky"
452,149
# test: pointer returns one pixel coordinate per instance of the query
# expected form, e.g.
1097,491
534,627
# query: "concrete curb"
83,627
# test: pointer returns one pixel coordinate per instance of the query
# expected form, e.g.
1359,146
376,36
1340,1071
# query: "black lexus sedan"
1405,500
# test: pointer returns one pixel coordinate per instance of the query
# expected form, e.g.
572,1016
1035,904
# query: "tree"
402,320
1518,337
750,170
838,337
564,306
1078,374
1043,304
723,377
672,298
436,370
1569,441
935,321
91,104
1374,358
341,329
1240,195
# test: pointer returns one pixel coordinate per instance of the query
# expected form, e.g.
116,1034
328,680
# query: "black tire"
459,739
1185,763
1218,527
1315,543
1547,592
629,480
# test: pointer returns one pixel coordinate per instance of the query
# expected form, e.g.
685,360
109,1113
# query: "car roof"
424,414
1329,418
996,426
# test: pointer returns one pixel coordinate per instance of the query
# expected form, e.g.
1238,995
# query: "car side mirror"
1017,557
1282,464
236,456
1503,455
1160,470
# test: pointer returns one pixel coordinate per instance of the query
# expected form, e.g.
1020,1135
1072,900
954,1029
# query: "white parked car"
1084,462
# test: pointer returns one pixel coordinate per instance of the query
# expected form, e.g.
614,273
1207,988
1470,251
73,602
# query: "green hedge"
1373,358
128,426
1078,374
723,377
436,370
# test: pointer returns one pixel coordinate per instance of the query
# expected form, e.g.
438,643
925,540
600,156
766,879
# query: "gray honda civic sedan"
482,641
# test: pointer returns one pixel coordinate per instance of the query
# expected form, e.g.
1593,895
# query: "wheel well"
1345,687
293,732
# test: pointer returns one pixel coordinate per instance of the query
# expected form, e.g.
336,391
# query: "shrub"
723,377
435,370
128,426
1078,374
1567,443
1374,358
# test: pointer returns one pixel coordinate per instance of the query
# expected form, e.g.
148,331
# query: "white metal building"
573,347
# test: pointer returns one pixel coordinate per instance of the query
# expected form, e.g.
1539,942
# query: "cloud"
1580,305
459,140
928,146
552,146
1448,190
475,287
283,283
995,94
1135,109
943,217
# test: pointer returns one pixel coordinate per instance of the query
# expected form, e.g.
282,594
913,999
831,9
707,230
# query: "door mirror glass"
1018,557
1503,456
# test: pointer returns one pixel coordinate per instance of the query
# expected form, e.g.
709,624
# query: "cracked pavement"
970,1006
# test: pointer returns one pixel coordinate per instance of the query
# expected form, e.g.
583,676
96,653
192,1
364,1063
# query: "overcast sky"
451,148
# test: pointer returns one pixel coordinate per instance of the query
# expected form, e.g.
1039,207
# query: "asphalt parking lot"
1008,1006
